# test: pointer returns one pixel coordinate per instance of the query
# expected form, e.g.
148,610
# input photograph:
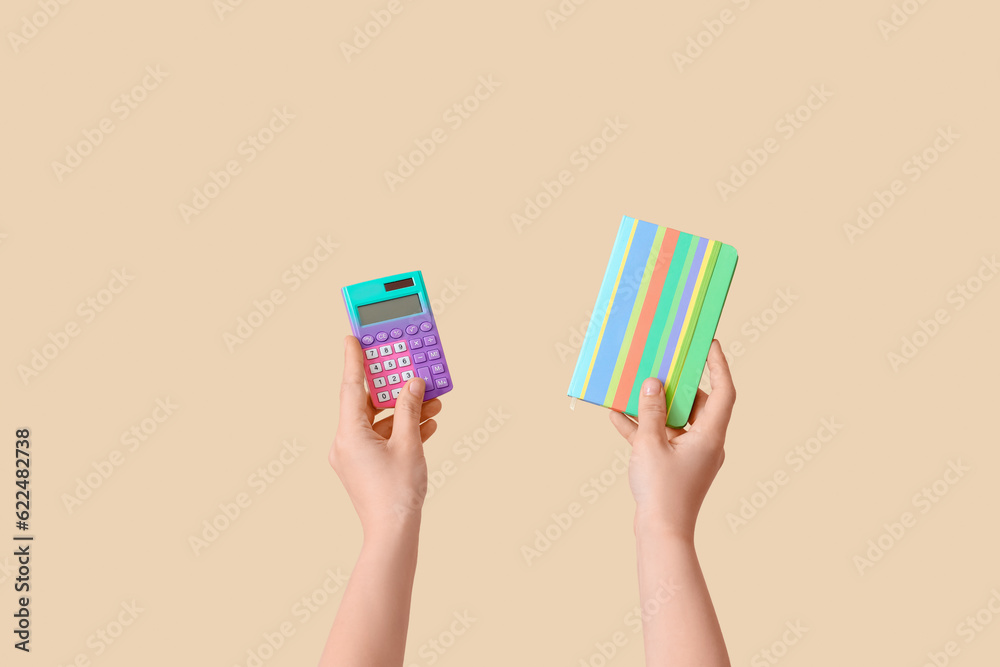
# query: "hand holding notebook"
656,315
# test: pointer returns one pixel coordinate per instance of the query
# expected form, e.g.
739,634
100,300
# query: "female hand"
381,464
670,469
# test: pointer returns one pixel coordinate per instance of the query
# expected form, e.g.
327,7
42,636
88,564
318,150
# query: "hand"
381,464
670,469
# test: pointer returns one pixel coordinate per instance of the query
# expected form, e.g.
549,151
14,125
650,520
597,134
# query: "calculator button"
375,368
383,396
399,347
437,369
371,353
403,361
389,365
411,329
381,336
395,393
385,350
394,378
433,355
407,375
379,382
425,373
419,358
368,339
430,340
396,333
426,326
415,343
441,383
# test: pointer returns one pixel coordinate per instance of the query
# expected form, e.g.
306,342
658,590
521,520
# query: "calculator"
392,319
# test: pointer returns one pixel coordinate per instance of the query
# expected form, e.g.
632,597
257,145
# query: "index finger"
354,402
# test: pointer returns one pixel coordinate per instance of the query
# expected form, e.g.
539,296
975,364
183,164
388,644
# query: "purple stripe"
692,278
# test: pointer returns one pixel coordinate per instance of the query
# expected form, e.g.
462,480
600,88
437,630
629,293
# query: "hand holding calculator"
392,319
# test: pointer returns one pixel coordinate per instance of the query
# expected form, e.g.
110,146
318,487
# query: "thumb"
406,418
652,409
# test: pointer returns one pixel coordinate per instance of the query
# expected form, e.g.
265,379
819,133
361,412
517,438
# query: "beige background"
509,302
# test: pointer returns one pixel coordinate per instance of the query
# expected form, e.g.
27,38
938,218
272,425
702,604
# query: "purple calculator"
393,320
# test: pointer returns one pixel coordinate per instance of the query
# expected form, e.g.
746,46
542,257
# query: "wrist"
655,525
398,526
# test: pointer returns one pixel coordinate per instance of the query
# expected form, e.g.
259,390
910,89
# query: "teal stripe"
600,308
683,308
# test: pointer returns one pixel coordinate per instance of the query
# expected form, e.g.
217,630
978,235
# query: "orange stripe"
631,366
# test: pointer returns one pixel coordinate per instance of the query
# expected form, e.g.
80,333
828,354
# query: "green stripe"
711,310
686,342
659,328
636,309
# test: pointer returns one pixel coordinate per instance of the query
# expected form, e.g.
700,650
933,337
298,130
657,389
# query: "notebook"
656,315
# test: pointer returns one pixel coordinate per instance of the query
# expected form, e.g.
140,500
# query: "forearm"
680,627
371,624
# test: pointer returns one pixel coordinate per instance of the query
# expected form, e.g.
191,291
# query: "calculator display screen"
389,310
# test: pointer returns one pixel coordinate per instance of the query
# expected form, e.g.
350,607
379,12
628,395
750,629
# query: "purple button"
381,336
437,369
396,333
426,326
441,383
424,373
415,343
367,339
430,340
411,329
419,358
433,355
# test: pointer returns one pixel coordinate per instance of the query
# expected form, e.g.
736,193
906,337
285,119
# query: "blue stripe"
621,311
603,297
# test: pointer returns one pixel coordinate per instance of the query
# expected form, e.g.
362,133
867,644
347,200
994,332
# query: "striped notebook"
656,315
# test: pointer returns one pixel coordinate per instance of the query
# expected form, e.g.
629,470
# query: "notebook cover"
656,315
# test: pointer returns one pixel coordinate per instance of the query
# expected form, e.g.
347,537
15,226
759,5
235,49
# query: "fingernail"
651,387
417,386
